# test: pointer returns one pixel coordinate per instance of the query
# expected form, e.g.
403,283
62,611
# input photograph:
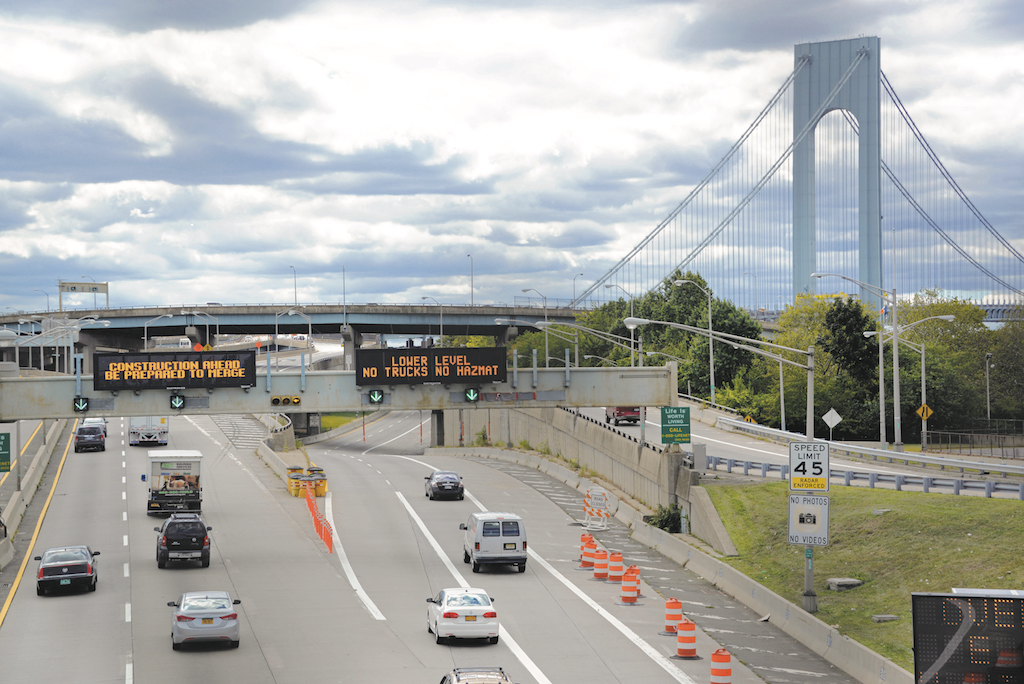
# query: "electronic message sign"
974,636
160,370
433,364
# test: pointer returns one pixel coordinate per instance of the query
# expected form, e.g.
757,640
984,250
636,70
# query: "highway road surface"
358,614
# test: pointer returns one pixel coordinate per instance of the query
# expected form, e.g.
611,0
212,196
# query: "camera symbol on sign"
807,519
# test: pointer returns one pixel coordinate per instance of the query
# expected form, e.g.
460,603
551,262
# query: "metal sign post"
808,515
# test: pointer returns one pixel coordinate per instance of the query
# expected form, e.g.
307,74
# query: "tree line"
846,375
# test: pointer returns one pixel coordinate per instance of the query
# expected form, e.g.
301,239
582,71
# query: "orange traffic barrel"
589,549
1010,658
600,565
721,667
615,569
673,614
974,678
686,641
584,538
630,588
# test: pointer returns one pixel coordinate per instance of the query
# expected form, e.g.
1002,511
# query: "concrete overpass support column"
437,428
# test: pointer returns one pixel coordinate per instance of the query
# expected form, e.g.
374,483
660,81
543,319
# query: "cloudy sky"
193,151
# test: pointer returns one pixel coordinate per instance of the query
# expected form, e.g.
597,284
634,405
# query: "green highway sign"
376,397
675,424
473,394
5,452
177,401
81,404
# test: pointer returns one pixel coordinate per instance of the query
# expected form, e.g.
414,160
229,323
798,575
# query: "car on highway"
461,613
90,437
444,484
67,567
477,675
96,422
204,616
183,537
621,414
493,538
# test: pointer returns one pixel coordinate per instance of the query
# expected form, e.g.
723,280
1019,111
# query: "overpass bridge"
88,331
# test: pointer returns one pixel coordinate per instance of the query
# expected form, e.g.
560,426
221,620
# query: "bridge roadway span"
301,619
128,325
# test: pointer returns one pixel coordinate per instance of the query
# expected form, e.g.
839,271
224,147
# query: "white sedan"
204,616
462,614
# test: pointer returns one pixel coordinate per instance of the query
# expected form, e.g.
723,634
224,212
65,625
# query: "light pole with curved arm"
711,344
145,329
440,310
897,421
47,298
574,288
94,305
919,348
530,289
631,339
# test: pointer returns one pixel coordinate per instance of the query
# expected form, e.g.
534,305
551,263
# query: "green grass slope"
896,542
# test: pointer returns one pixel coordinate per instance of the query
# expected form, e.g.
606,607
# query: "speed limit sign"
808,466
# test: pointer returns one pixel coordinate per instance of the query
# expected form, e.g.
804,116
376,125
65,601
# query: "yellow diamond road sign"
925,412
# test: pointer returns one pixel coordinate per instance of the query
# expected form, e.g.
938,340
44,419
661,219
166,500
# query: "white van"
494,539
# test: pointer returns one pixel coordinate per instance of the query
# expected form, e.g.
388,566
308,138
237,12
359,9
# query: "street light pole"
631,338
145,329
711,338
295,285
530,289
441,311
47,299
988,395
757,311
574,287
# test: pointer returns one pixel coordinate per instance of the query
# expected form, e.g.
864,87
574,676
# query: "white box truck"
175,481
148,429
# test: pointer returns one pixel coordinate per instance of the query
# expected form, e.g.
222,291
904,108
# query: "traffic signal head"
81,404
376,396
177,401
472,394
285,401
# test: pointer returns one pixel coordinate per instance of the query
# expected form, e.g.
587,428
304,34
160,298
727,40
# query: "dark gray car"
90,437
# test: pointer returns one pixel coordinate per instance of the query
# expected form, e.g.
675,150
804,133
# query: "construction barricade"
595,509
323,528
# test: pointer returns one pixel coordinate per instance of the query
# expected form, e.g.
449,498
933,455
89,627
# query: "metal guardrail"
855,451
849,477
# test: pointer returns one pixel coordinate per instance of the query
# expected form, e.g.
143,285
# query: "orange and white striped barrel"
600,565
615,569
686,641
584,538
721,667
630,587
589,549
673,614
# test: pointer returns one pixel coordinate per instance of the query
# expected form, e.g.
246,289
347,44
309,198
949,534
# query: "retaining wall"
14,511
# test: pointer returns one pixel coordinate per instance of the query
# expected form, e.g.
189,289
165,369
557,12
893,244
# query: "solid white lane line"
416,427
350,574
509,641
637,640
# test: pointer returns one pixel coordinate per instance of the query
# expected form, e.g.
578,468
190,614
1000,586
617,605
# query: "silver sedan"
204,616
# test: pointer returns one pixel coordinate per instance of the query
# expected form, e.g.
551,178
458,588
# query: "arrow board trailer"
148,429
175,481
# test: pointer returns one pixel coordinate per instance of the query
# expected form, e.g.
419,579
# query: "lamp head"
632,323
870,333
947,317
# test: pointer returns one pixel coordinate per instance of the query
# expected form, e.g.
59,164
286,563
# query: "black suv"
90,437
183,537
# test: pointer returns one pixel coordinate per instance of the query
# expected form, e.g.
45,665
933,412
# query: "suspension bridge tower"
837,75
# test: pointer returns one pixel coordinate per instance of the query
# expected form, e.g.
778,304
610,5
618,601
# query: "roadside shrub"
666,518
